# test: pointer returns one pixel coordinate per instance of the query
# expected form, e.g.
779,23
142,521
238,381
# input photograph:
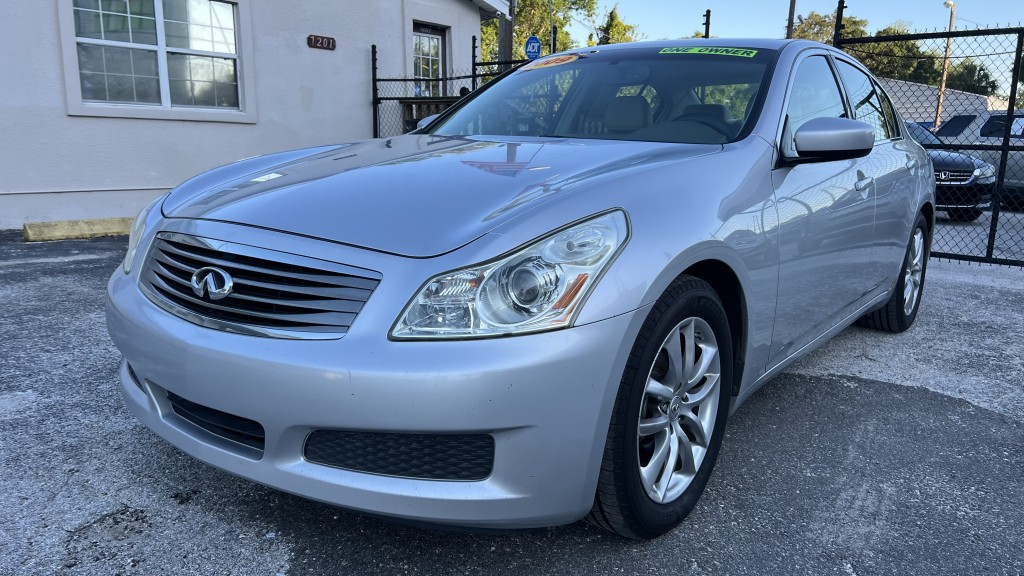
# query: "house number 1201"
322,42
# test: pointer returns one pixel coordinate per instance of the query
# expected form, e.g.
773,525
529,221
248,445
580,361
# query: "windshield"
921,134
691,94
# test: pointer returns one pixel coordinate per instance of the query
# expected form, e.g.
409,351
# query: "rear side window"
995,126
864,97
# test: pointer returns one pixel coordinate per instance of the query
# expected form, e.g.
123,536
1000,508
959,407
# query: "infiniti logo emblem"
212,281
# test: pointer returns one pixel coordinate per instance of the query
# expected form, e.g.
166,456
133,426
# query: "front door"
826,215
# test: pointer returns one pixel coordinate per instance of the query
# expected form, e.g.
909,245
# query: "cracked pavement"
877,454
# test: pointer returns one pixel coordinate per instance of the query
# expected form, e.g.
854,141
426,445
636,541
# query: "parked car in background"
963,183
542,306
987,127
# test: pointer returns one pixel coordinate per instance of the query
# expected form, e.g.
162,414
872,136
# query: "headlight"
537,288
986,174
138,230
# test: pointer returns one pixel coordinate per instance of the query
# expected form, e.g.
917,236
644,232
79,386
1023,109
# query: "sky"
660,19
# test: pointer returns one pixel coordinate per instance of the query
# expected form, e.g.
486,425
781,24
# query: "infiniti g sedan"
543,305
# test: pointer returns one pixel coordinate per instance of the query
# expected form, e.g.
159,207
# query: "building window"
428,56
176,59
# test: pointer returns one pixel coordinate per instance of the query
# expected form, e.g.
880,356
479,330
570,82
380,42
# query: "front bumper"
972,195
545,398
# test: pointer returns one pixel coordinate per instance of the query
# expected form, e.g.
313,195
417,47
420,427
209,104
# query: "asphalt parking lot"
878,454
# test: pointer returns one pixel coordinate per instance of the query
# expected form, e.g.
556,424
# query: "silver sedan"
541,306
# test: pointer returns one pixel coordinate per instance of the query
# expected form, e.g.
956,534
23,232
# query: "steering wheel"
707,120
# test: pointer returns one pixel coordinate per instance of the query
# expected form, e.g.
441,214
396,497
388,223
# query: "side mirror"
423,123
824,139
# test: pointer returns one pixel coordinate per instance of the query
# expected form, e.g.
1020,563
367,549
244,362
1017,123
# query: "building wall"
55,167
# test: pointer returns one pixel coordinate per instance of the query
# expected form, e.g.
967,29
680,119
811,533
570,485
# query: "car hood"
413,195
945,160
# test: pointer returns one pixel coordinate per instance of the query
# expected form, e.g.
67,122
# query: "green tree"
488,50
532,19
970,76
901,60
822,27
613,31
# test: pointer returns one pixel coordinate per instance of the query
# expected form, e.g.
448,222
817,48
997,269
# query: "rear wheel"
899,312
963,214
670,414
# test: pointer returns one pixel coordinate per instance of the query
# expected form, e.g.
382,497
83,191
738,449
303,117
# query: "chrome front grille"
953,176
273,293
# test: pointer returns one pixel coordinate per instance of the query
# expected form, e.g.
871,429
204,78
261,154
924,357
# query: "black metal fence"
399,103
960,91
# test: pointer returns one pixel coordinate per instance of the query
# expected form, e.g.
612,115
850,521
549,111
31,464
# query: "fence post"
473,67
1011,107
707,23
837,37
376,95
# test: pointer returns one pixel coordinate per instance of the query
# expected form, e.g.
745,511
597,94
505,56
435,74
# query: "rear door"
826,212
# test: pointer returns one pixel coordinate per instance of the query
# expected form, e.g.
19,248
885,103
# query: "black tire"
622,504
963,214
894,317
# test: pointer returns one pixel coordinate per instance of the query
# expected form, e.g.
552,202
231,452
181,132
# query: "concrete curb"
72,229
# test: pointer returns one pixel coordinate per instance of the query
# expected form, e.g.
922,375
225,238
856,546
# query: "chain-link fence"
959,92
400,103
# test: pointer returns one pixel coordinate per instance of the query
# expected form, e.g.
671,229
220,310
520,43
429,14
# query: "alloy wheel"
913,272
678,411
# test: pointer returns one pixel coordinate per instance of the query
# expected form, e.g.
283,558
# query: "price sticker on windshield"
553,61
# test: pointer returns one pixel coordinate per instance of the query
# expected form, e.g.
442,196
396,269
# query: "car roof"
757,43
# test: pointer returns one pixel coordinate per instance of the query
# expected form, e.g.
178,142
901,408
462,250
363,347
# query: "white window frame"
246,112
441,34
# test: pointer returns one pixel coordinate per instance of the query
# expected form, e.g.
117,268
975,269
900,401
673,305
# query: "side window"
864,97
996,125
890,113
993,127
814,94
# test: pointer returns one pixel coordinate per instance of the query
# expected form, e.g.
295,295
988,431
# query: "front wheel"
899,312
669,416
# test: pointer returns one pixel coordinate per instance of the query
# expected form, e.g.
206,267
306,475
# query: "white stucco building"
107,103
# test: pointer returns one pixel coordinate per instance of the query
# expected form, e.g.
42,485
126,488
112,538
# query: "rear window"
676,94
921,134
955,125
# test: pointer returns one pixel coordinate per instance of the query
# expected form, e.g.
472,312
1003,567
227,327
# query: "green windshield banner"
741,52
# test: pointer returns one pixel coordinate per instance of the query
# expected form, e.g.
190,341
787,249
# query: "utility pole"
839,23
945,61
707,23
554,29
792,14
506,27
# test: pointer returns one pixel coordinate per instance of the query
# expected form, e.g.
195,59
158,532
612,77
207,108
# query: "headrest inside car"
627,113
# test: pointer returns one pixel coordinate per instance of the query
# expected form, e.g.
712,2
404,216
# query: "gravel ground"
878,454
